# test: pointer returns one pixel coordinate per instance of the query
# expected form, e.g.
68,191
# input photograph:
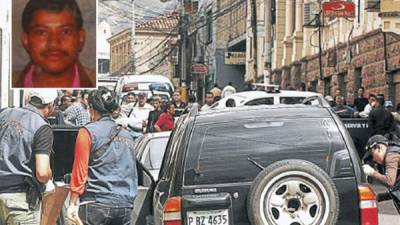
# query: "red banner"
339,9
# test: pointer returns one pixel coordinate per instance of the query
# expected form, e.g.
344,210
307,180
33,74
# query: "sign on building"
235,58
339,9
199,69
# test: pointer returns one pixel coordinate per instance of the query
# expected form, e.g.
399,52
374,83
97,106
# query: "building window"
103,66
357,79
314,84
327,85
342,80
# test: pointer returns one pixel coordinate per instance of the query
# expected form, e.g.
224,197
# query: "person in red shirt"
166,120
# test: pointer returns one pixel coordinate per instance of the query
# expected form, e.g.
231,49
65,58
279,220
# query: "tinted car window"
261,101
166,170
154,156
220,153
291,100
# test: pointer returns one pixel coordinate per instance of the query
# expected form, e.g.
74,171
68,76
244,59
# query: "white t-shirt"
138,115
205,107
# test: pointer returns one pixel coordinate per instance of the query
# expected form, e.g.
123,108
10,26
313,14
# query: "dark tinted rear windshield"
219,153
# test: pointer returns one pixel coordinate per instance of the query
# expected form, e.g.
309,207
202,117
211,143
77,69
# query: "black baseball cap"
371,143
374,140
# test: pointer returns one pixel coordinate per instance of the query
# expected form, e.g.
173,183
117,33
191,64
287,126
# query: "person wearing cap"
104,175
26,141
137,117
383,153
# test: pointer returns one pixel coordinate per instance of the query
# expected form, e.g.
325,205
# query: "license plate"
210,217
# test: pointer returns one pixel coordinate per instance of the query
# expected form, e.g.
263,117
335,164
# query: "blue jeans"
100,214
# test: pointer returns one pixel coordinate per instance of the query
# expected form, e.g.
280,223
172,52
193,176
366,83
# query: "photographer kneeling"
385,154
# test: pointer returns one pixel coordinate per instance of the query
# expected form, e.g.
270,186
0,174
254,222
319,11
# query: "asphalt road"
387,212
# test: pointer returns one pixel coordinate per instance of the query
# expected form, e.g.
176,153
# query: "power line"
214,17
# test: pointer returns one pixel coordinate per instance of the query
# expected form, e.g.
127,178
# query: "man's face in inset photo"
53,40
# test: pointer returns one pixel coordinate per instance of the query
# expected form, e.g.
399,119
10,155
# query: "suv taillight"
172,211
368,205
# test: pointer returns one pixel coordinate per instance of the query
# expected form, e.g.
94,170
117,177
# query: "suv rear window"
220,153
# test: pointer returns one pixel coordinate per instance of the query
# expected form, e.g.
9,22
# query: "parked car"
252,98
280,164
152,85
149,150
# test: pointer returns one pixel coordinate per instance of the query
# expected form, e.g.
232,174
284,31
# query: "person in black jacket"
380,120
360,102
153,115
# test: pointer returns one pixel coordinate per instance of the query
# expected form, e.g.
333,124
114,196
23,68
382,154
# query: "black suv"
280,165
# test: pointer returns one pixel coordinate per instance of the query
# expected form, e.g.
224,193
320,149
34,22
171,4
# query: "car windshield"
155,154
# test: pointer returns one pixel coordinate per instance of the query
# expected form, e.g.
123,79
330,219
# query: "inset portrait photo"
53,44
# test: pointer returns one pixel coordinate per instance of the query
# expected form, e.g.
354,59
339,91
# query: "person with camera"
384,153
104,175
26,142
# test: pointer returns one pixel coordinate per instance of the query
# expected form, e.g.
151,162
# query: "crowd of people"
380,113
136,112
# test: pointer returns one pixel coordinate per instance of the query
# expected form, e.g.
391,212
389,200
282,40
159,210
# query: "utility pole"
319,24
131,57
183,28
254,30
268,40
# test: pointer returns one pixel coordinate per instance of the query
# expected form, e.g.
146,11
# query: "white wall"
103,47
5,25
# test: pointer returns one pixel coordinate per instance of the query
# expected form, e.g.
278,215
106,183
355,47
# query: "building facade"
103,48
356,52
154,51
221,42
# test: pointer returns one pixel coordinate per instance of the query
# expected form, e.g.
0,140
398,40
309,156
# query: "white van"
152,85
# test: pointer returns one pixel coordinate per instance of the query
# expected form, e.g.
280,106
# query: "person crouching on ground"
383,153
104,174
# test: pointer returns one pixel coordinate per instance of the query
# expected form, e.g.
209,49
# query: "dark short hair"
362,88
103,100
55,6
64,98
131,93
83,93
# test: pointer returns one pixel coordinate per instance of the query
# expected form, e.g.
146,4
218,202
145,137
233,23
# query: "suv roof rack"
269,88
